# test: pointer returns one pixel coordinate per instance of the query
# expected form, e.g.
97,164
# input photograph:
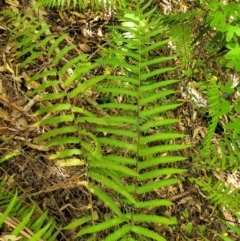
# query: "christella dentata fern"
121,142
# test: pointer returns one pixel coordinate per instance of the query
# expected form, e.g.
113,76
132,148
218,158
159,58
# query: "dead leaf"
85,48
4,115
21,122
37,147
9,68
78,14
4,130
9,237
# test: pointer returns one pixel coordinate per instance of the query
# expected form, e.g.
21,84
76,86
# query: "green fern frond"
112,137
83,4
221,195
26,217
144,218
78,222
226,153
180,29
214,110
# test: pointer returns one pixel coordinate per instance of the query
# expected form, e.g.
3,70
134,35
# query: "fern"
225,154
110,140
83,4
26,218
214,111
221,195
180,29
126,134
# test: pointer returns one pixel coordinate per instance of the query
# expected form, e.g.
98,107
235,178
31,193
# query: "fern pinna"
120,141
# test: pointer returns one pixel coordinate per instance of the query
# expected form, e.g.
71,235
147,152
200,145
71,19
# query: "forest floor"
54,188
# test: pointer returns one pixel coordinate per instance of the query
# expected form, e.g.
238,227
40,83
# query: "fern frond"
25,217
78,222
214,109
221,195
83,4
112,139
180,29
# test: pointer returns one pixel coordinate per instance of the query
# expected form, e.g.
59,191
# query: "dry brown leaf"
85,48
9,237
4,130
99,32
9,68
2,68
4,115
21,122
63,15
37,147
78,14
